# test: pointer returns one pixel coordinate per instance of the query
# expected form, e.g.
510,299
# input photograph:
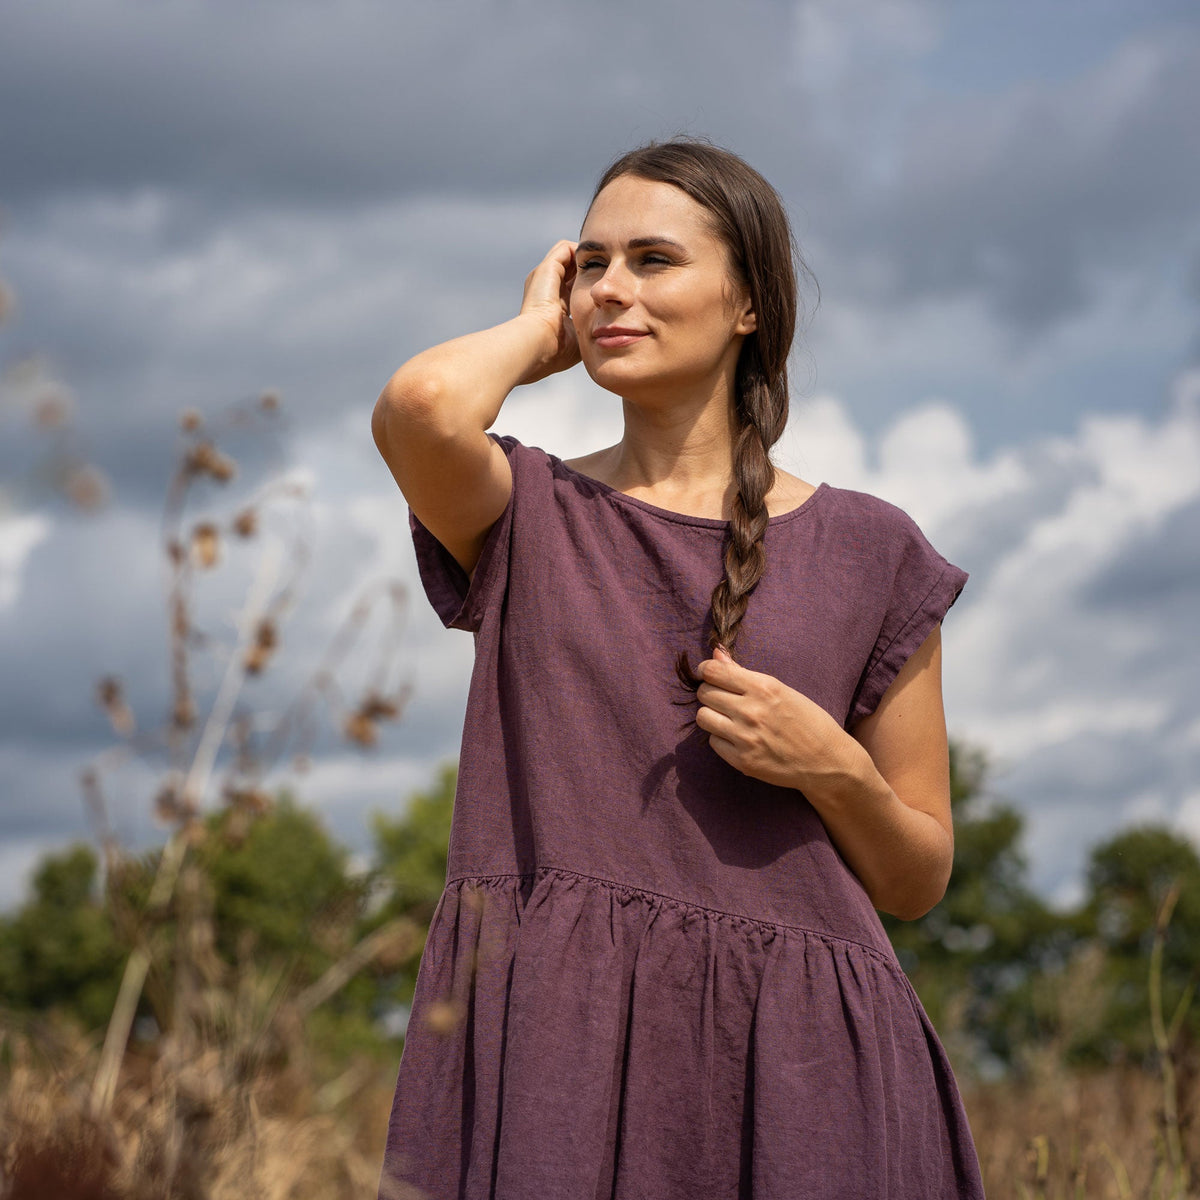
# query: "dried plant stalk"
171,860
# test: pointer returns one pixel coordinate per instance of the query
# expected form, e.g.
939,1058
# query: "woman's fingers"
716,723
722,672
549,282
546,296
720,699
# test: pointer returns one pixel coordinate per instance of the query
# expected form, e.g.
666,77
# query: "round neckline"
669,514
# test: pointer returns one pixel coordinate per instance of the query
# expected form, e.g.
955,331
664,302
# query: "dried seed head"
168,803
266,641
361,729
257,800
269,400
86,487
256,660
189,420
252,800
206,459
110,696
52,407
245,524
379,708
400,945
8,301
183,715
206,545
443,1016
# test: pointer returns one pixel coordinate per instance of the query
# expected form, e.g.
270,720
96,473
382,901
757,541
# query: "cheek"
580,294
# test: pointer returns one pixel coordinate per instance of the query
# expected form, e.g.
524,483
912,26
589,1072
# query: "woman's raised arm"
431,419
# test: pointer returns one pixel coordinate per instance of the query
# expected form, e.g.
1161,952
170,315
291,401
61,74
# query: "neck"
679,455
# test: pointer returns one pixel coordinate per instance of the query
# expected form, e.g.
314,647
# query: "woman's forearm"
883,793
458,387
901,854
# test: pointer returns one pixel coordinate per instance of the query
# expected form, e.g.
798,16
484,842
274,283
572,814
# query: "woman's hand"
883,792
431,420
548,297
764,728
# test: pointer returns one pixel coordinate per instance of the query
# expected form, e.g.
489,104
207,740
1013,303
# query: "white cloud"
1038,671
1048,659
345,787
1086,701
1187,819
18,858
19,537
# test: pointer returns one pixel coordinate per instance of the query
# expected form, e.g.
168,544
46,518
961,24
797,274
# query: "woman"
657,970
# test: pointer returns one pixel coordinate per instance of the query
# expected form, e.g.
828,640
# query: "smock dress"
651,977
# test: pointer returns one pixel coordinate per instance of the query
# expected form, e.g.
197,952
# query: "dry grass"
1068,1135
258,1117
186,1127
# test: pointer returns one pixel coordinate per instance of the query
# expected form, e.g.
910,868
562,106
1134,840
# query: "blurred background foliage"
282,970
1002,975
280,894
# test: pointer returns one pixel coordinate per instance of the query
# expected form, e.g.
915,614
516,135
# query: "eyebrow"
641,243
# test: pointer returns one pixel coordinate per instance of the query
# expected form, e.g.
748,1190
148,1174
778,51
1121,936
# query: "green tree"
1128,878
59,950
280,888
411,850
975,957
271,890
411,856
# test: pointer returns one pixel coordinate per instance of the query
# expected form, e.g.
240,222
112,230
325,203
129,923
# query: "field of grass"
262,1116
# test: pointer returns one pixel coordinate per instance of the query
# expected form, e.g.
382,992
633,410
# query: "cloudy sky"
1001,203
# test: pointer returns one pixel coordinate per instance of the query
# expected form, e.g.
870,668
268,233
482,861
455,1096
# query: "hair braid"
761,418
754,476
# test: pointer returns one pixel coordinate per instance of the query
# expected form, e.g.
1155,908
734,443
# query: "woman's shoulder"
866,508
789,493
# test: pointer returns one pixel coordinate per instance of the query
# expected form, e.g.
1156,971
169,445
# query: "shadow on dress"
748,823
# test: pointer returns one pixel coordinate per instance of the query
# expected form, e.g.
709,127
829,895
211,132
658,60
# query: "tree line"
1004,976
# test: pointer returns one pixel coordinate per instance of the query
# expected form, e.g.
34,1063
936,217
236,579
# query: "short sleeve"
923,587
461,602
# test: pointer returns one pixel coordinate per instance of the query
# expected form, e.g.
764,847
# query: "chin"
621,378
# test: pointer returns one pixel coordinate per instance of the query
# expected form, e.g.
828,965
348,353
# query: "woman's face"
654,304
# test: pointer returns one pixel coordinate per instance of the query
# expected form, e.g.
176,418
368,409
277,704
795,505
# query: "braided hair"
749,218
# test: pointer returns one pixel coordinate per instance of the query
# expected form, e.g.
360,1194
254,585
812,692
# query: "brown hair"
748,216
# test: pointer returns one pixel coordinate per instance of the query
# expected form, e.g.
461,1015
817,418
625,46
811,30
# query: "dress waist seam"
758,922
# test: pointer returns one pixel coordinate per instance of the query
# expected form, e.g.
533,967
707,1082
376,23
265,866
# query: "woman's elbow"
409,398
912,907
913,893
411,408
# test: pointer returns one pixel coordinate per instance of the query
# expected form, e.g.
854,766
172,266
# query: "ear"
747,321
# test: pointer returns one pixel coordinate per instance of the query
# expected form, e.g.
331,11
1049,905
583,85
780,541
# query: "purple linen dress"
651,977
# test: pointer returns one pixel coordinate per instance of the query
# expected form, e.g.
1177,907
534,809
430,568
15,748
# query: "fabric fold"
621,1044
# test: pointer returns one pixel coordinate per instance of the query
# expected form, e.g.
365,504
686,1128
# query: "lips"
611,336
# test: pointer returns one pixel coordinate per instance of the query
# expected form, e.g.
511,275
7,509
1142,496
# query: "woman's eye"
656,260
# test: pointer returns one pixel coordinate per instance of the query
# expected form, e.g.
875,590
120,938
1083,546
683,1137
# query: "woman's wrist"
844,779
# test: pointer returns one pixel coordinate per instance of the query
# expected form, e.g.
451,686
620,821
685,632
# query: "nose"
613,287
